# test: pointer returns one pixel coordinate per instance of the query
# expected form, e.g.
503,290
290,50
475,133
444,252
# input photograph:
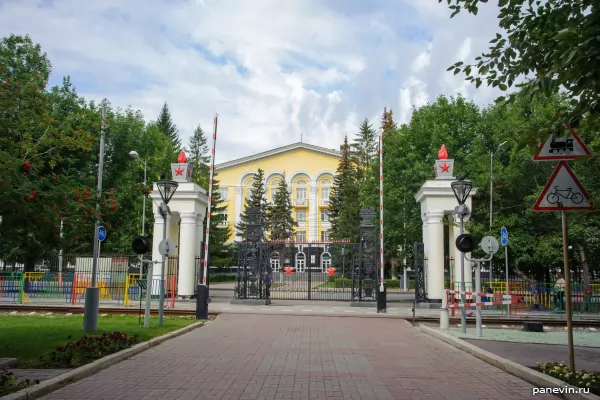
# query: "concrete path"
264,357
529,354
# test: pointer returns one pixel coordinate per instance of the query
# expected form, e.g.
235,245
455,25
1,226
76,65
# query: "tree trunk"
586,274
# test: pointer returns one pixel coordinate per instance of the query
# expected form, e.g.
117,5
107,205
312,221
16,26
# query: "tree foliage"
364,148
199,157
165,123
546,46
257,199
220,255
281,221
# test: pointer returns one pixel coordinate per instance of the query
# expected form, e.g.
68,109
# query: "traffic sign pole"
504,240
568,292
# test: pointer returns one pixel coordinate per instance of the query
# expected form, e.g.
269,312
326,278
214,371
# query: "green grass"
27,338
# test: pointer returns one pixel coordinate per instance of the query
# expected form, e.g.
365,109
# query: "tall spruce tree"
165,123
199,157
281,221
343,204
364,146
257,199
219,254
387,121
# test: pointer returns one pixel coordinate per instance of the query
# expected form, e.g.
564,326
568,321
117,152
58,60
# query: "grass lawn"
27,338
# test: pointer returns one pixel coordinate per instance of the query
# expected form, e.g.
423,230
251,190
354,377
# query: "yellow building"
309,172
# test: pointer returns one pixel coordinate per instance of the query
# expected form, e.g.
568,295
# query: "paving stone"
255,357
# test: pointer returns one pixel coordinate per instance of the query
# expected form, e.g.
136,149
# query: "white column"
451,252
457,259
239,205
313,208
468,269
425,246
187,255
199,234
435,263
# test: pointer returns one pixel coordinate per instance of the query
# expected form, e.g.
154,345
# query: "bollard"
202,302
444,319
382,298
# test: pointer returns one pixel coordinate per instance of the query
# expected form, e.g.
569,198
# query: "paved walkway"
585,338
529,354
266,357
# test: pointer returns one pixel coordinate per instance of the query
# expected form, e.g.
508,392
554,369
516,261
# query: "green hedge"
343,281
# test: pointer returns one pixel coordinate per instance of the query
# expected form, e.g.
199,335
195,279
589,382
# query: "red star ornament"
178,171
288,270
445,167
331,271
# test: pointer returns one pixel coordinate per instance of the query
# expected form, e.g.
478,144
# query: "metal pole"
92,298
506,266
568,292
478,298
60,257
161,301
149,273
144,209
209,206
382,279
463,311
491,200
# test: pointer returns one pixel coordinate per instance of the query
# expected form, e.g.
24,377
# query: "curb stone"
94,367
529,375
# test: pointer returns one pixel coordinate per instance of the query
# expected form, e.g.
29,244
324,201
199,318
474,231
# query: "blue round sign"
101,233
503,236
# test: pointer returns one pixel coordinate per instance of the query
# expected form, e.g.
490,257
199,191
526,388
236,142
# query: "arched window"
326,181
300,182
325,261
275,262
300,262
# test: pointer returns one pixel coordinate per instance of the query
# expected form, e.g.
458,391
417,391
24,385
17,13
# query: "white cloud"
276,69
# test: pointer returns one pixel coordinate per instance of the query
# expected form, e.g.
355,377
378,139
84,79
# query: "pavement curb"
94,367
534,377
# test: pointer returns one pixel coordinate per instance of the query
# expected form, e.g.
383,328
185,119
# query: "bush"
87,349
221,278
10,384
582,379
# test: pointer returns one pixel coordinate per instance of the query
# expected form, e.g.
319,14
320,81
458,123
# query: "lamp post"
492,154
461,189
92,293
167,190
134,154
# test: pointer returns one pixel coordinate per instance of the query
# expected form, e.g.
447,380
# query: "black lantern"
461,189
167,189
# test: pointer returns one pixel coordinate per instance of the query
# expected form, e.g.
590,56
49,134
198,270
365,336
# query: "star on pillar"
445,167
178,171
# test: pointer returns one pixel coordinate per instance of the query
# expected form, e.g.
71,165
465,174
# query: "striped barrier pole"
381,213
209,207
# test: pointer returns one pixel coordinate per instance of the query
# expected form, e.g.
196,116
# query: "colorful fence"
11,287
134,292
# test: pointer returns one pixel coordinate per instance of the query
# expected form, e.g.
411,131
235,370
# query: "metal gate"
327,270
419,260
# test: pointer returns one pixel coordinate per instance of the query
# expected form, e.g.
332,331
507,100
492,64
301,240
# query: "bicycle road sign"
563,192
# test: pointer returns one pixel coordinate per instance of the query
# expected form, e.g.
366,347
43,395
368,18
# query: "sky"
273,70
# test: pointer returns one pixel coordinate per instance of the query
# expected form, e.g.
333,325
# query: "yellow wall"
290,163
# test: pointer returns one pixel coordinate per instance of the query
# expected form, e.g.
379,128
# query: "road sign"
568,148
563,192
101,233
489,245
166,248
504,236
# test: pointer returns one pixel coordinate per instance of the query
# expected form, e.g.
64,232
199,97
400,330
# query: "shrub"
221,278
582,379
10,384
87,349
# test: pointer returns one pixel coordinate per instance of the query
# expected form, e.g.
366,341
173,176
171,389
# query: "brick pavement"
261,357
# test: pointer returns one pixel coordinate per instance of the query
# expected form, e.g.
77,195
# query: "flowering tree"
43,136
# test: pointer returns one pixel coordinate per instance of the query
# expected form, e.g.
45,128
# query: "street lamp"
461,189
134,154
166,189
492,154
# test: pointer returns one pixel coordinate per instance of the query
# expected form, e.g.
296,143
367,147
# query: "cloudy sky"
271,69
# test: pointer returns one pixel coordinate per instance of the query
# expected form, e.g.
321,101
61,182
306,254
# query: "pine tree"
199,157
387,121
281,221
365,147
166,125
343,204
258,199
220,254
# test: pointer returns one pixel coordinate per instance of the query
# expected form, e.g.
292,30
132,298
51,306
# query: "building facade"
309,172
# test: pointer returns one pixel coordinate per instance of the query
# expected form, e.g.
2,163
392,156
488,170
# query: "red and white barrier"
482,304
509,299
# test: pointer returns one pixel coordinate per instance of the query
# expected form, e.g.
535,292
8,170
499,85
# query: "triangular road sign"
563,192
567,148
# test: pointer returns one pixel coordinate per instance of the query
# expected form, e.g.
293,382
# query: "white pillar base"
444,319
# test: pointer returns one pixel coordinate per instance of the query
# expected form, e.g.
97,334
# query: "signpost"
504,241
101,237
563,193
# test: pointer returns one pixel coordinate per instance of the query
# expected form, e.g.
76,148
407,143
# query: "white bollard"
444,319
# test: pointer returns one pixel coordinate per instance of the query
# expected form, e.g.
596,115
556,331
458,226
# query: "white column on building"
435,263
468,275
239,205
452,253
313,208
187,255
425,245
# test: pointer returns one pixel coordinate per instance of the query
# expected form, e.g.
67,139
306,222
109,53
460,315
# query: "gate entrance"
289,270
